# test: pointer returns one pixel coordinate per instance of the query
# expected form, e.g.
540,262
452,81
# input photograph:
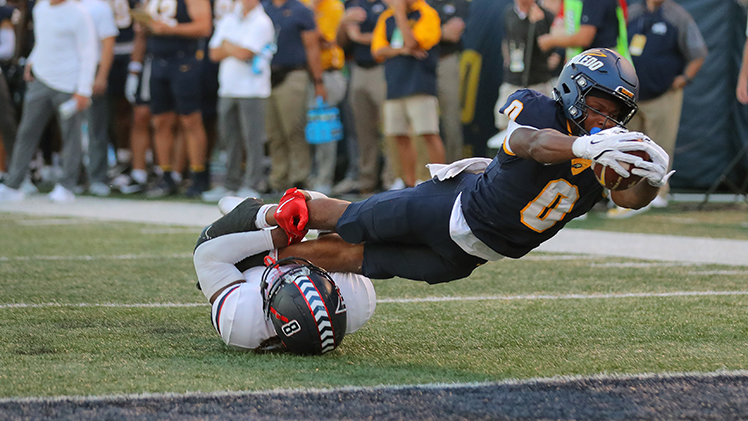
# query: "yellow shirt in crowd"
329,14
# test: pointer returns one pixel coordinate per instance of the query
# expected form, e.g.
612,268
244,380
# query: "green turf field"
94,335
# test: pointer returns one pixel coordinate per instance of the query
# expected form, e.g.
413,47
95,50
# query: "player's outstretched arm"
607,147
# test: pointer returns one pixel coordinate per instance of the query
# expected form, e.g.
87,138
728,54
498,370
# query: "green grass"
719,221
71,350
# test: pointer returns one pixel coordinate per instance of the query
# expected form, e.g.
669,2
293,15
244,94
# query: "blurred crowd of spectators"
210,98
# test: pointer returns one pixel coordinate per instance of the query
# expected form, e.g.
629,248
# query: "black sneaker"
200,184
240,219
164,187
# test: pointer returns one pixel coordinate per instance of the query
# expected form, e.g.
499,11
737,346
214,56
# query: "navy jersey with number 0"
170,12
518,203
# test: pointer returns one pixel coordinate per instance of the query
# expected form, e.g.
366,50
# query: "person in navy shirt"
295,63
596,26
667,50
476,209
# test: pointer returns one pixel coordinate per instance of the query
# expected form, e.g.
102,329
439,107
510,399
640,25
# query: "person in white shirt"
98,114
244,44
61,67
229,265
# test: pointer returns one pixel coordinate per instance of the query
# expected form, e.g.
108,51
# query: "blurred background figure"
667,50
243,43
411,55
328,15
590,24
174,49
453,15
525,64
60,69
367,92
97,116
742,89
9,16
297,58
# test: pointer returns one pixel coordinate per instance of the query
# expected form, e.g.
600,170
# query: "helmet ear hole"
566,89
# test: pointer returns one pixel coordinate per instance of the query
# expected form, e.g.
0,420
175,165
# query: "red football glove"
292,215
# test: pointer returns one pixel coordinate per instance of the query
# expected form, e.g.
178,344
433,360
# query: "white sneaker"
61,195
8,194
659,202
217,193
99,189
399,184
228,203
247,192
27,187
623,213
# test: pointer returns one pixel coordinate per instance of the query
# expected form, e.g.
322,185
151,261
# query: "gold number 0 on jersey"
552,204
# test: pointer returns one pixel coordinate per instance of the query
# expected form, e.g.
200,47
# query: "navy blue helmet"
597,72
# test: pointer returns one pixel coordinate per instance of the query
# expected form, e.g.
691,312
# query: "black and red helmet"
305,306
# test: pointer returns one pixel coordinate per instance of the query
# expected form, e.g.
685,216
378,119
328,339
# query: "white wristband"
260,220
135,67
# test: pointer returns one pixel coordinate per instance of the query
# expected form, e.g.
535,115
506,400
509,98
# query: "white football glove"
131,87
656,171
608,147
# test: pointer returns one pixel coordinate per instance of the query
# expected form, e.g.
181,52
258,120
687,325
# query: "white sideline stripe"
170,231
720,272
565,296
423,300
47,222
643,265
104,257
545,381
560,257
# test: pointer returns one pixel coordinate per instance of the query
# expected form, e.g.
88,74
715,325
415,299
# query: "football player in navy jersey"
476,209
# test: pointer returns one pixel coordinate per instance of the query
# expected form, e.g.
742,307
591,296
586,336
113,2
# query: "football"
612,180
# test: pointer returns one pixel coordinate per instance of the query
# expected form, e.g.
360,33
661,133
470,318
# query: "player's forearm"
636,197
546,146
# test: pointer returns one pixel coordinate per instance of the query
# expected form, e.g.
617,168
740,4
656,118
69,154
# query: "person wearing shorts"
411,54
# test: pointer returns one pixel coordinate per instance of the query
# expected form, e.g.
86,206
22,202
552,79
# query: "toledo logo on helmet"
588,61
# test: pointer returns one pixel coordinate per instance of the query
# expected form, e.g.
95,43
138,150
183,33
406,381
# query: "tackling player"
241,289
477,210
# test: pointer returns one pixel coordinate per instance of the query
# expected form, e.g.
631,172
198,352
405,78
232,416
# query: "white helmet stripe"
319,309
